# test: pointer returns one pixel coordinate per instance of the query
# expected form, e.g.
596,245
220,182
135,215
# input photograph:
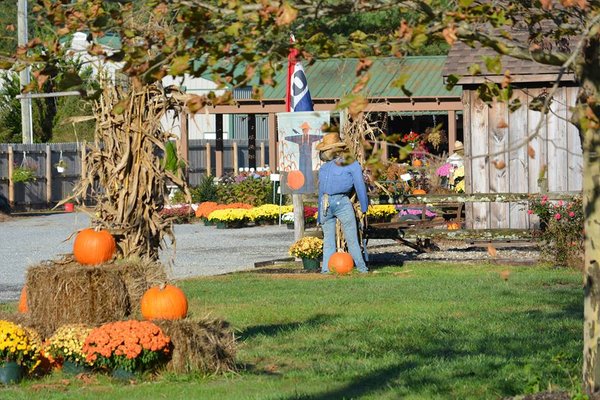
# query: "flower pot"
72,368
60,170
208,222
230,225
290,226
69,207
10,372
311,264
123,374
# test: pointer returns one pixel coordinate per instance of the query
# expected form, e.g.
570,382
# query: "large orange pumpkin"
23,307
93,247
419,191
164,302
417,163
295,180
341,263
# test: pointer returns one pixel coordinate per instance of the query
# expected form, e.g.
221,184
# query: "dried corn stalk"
124,172
357,133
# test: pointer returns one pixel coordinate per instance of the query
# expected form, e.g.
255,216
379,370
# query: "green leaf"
514,105
180,65
234,29
401,81
474,69
493,64
451,81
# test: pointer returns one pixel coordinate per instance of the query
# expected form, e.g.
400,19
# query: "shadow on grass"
276,329
364,385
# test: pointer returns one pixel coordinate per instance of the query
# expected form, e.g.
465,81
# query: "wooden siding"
494,135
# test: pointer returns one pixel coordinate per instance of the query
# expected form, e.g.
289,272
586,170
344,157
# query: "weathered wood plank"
517,165
498,141
467,133
478,197
479,159
575,153
538,163
557,143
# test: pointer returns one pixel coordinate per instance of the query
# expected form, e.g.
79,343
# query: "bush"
254,191
561,229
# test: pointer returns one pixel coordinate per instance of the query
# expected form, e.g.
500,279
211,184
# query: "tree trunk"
588,113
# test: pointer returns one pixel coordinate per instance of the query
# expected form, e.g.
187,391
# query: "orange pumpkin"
93,247
164,302
452,226
417,163
295,180
419,191
23,307
341,263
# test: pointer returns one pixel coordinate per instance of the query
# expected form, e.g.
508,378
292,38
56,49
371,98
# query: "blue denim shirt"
336,179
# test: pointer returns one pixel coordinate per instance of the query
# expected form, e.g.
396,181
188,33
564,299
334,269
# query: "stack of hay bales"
64,292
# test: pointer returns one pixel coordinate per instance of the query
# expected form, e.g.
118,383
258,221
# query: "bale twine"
70,293
206,346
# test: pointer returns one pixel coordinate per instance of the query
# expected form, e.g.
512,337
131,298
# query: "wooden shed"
523,151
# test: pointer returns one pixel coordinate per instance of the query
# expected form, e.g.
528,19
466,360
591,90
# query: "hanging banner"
298,134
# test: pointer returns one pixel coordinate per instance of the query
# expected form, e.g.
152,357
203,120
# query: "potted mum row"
124,348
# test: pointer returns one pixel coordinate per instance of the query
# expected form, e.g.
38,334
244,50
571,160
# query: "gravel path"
201,250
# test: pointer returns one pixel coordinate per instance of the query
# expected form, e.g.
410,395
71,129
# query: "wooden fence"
50,186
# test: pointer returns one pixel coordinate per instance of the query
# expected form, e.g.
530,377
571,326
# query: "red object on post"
69,207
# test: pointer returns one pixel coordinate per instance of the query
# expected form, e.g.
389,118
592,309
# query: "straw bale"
139,276
206,346
61,294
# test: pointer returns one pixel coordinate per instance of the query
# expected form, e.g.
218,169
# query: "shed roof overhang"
375,104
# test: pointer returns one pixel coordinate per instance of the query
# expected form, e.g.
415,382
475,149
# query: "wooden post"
236,161
272,142
208,160
184,136
11,184
451,130
252,140
219,145
48,175
384,151
83,165
298,216
262,154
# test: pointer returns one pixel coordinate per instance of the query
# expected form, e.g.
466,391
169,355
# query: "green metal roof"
335,77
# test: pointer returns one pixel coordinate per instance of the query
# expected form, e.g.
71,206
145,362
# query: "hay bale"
139,276
70,293
206,346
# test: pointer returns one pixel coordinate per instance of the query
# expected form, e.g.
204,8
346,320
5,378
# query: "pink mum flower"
544,200
557,216
529,212
571,214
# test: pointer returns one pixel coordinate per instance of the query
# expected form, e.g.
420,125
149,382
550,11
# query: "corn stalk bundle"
125,173
358,134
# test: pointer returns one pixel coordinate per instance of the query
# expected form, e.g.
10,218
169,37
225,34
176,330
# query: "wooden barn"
520,151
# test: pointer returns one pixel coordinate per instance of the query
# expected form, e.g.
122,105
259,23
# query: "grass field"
422,331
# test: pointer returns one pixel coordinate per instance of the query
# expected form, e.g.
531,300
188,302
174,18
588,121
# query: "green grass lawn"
423,331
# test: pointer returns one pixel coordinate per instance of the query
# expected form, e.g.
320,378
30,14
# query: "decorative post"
48,175
11,184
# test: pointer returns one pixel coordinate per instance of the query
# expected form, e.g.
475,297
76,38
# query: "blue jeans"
340,208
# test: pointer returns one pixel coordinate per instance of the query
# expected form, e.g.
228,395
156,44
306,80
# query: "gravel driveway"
200,250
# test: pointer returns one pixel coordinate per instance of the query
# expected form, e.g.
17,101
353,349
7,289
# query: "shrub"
561,229
254,191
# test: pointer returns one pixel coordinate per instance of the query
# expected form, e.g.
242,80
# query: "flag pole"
297,200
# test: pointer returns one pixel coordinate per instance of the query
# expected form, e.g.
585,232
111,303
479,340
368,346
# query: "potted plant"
65,346
310,250
127,347
61,166
18,352
25,172
229,217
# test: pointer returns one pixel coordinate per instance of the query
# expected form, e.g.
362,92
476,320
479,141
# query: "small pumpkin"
419,191
452,226
23,307
295,179
93,247
417,163
341,263
164,302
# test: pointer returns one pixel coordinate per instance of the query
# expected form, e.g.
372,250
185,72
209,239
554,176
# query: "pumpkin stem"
162,286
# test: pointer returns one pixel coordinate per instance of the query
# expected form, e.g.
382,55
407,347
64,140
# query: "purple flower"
444,170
